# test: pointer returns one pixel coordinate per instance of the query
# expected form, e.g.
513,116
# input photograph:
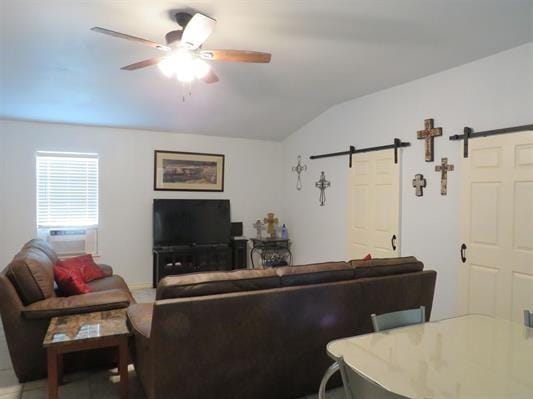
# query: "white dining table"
466,357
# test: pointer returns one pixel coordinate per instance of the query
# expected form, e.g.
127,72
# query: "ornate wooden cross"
444,168
299,168
270,221
428,134
322,184
419,183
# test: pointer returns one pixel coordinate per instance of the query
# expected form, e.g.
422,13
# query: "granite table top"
85,327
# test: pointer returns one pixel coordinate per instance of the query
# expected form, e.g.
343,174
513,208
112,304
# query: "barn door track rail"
468,133
397,144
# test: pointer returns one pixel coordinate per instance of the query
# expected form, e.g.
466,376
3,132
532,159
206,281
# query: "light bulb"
168,66
201,68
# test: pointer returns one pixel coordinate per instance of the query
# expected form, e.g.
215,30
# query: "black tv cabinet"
196,258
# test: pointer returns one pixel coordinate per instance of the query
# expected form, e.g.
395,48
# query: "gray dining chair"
355,385
528,318
397,319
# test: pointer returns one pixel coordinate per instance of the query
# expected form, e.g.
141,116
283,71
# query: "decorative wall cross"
419,183
258,226
299,168
270,221
444,168
428,134
322,184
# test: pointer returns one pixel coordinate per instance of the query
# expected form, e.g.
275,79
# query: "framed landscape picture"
188,171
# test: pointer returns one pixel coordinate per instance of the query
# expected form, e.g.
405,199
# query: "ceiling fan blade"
211,77
130,38
236,56
142,64
197,31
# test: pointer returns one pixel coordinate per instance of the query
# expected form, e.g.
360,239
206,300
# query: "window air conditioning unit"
71,241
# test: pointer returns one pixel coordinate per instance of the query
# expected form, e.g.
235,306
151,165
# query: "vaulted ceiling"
53,68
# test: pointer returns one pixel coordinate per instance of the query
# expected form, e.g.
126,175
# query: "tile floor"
86,385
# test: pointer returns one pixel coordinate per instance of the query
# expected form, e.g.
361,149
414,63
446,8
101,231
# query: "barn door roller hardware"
468,133
397,144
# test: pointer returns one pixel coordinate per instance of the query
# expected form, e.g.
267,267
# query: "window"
67,189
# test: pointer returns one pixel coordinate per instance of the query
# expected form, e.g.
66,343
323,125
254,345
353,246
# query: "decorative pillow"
368,257
70,281
84,265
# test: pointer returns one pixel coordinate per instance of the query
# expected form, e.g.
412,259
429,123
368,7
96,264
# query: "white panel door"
374,205
497,226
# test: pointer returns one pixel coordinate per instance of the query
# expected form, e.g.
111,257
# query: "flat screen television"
191,222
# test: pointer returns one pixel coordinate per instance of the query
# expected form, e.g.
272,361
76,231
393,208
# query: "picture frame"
188,171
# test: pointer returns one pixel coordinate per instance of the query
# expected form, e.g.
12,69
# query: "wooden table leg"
52,373
123,367
59,368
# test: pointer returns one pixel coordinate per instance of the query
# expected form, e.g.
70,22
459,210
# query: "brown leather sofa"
262,334
28,300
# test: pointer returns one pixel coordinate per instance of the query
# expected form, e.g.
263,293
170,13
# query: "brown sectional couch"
28,300
263,333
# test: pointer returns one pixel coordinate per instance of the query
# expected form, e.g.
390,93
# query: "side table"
273,252
87,331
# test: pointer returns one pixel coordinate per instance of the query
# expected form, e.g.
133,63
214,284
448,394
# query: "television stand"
183,259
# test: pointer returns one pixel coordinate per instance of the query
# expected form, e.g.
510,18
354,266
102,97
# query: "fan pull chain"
183,95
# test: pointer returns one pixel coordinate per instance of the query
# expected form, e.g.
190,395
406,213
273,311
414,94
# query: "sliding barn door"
374,205
497,226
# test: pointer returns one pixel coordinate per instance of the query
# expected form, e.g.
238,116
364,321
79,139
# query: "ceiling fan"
185,59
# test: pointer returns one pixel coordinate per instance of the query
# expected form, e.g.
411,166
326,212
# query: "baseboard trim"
139,286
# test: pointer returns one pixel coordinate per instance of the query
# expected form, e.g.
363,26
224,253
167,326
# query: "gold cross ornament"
271,221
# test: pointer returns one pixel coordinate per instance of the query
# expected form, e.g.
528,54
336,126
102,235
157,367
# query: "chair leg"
329,373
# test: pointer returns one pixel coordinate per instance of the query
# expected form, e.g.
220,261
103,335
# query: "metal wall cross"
299,168
428,134
444,168
322,184
419,183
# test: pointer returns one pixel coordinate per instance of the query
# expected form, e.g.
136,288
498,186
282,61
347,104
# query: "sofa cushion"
31,272
106,269
314,273
42,246
211,283
85,303
108,283
385,266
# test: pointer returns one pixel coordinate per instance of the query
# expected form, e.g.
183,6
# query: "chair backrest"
400,318
528,318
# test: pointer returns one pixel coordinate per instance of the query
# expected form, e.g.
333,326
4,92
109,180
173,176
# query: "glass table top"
84,327
473,356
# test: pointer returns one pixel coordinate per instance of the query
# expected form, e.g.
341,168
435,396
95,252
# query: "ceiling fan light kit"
184,65
185,58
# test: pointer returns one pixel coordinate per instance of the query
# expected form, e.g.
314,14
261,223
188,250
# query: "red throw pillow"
368,257
70,282
85,266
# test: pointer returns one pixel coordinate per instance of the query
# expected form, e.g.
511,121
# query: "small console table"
272,252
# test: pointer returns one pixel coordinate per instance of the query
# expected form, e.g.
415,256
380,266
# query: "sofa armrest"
108,270
84,303
140,318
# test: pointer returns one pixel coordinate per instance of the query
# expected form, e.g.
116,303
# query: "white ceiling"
323,52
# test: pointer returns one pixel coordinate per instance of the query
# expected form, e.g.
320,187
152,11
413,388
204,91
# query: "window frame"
64,154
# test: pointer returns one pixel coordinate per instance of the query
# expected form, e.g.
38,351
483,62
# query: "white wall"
253,169
486,94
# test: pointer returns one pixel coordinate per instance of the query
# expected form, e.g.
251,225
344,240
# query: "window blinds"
67,189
